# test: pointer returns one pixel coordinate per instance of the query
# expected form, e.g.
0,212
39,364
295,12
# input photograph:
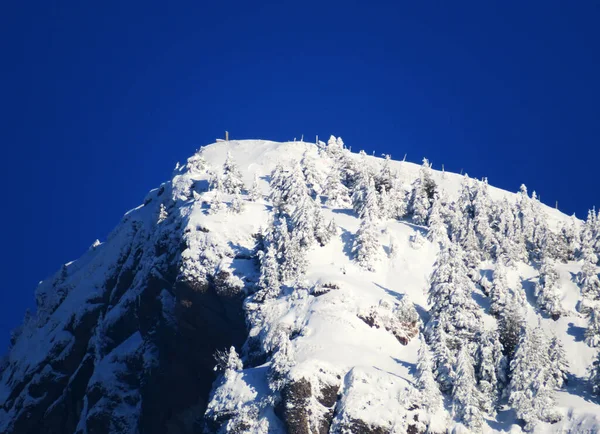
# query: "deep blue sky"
101,99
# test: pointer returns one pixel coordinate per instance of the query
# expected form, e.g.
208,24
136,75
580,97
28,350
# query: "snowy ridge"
336,298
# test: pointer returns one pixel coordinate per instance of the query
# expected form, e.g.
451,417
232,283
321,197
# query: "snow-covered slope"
124,337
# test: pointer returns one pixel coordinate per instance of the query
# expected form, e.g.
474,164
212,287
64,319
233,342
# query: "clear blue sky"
101,99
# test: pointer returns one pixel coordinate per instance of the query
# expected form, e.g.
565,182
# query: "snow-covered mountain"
334,292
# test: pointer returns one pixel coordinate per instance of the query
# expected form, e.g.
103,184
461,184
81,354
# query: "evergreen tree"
366,244
423,191
364,197
592,332
466,397
232,177
337,194
453,310
269,274
491,370
314,179
429,392
438,233
532,385
510,324
499,291
547,290
237,204
234,363
482,208
595,375
281,363
386,176
162,214
323,232
559,366
588,277
216,203
397,207
255,192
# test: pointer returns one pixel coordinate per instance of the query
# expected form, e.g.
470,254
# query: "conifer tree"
364,197
559,366
281,363
314,180
255,193
366,244
423,191
499,291
237,204
491,370
455,318
592,332
397,207
337,194
547,290
216,203
162,213
429,392
438,233
232,177
466,397
595,375
269,274
587,278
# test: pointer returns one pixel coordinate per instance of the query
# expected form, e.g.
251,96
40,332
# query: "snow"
332,345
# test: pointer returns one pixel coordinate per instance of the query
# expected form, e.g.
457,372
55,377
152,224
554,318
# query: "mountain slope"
123,339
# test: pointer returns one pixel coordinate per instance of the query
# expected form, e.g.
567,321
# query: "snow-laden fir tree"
454,315
429,394
482,209
279,176
588,280
162,213
423,191
335,147
255,192
196,163
438,232
237,204
559,366
397,206
547,290
216,203
366,247
269,274
466,398
232,177
323,231
532,385
229,362
313,177
595,375
510,323
281,363
337,194
386,176
364,196
491,369
499,291
592,332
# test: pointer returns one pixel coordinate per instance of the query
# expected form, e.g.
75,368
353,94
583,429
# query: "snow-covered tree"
547,288
587,278
269,274
559,366
595,375
232,177
255,192
455,318
216,203
196,163
386,176
510,324
532,385
281,363
482,208
491,369
438,232
162,213
466,398
423,191
337,194
237,204
499,291
397,206
367,247
364,197
323,231
592,332
429,395
314,179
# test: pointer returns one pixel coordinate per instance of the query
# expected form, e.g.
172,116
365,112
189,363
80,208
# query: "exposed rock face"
135,354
